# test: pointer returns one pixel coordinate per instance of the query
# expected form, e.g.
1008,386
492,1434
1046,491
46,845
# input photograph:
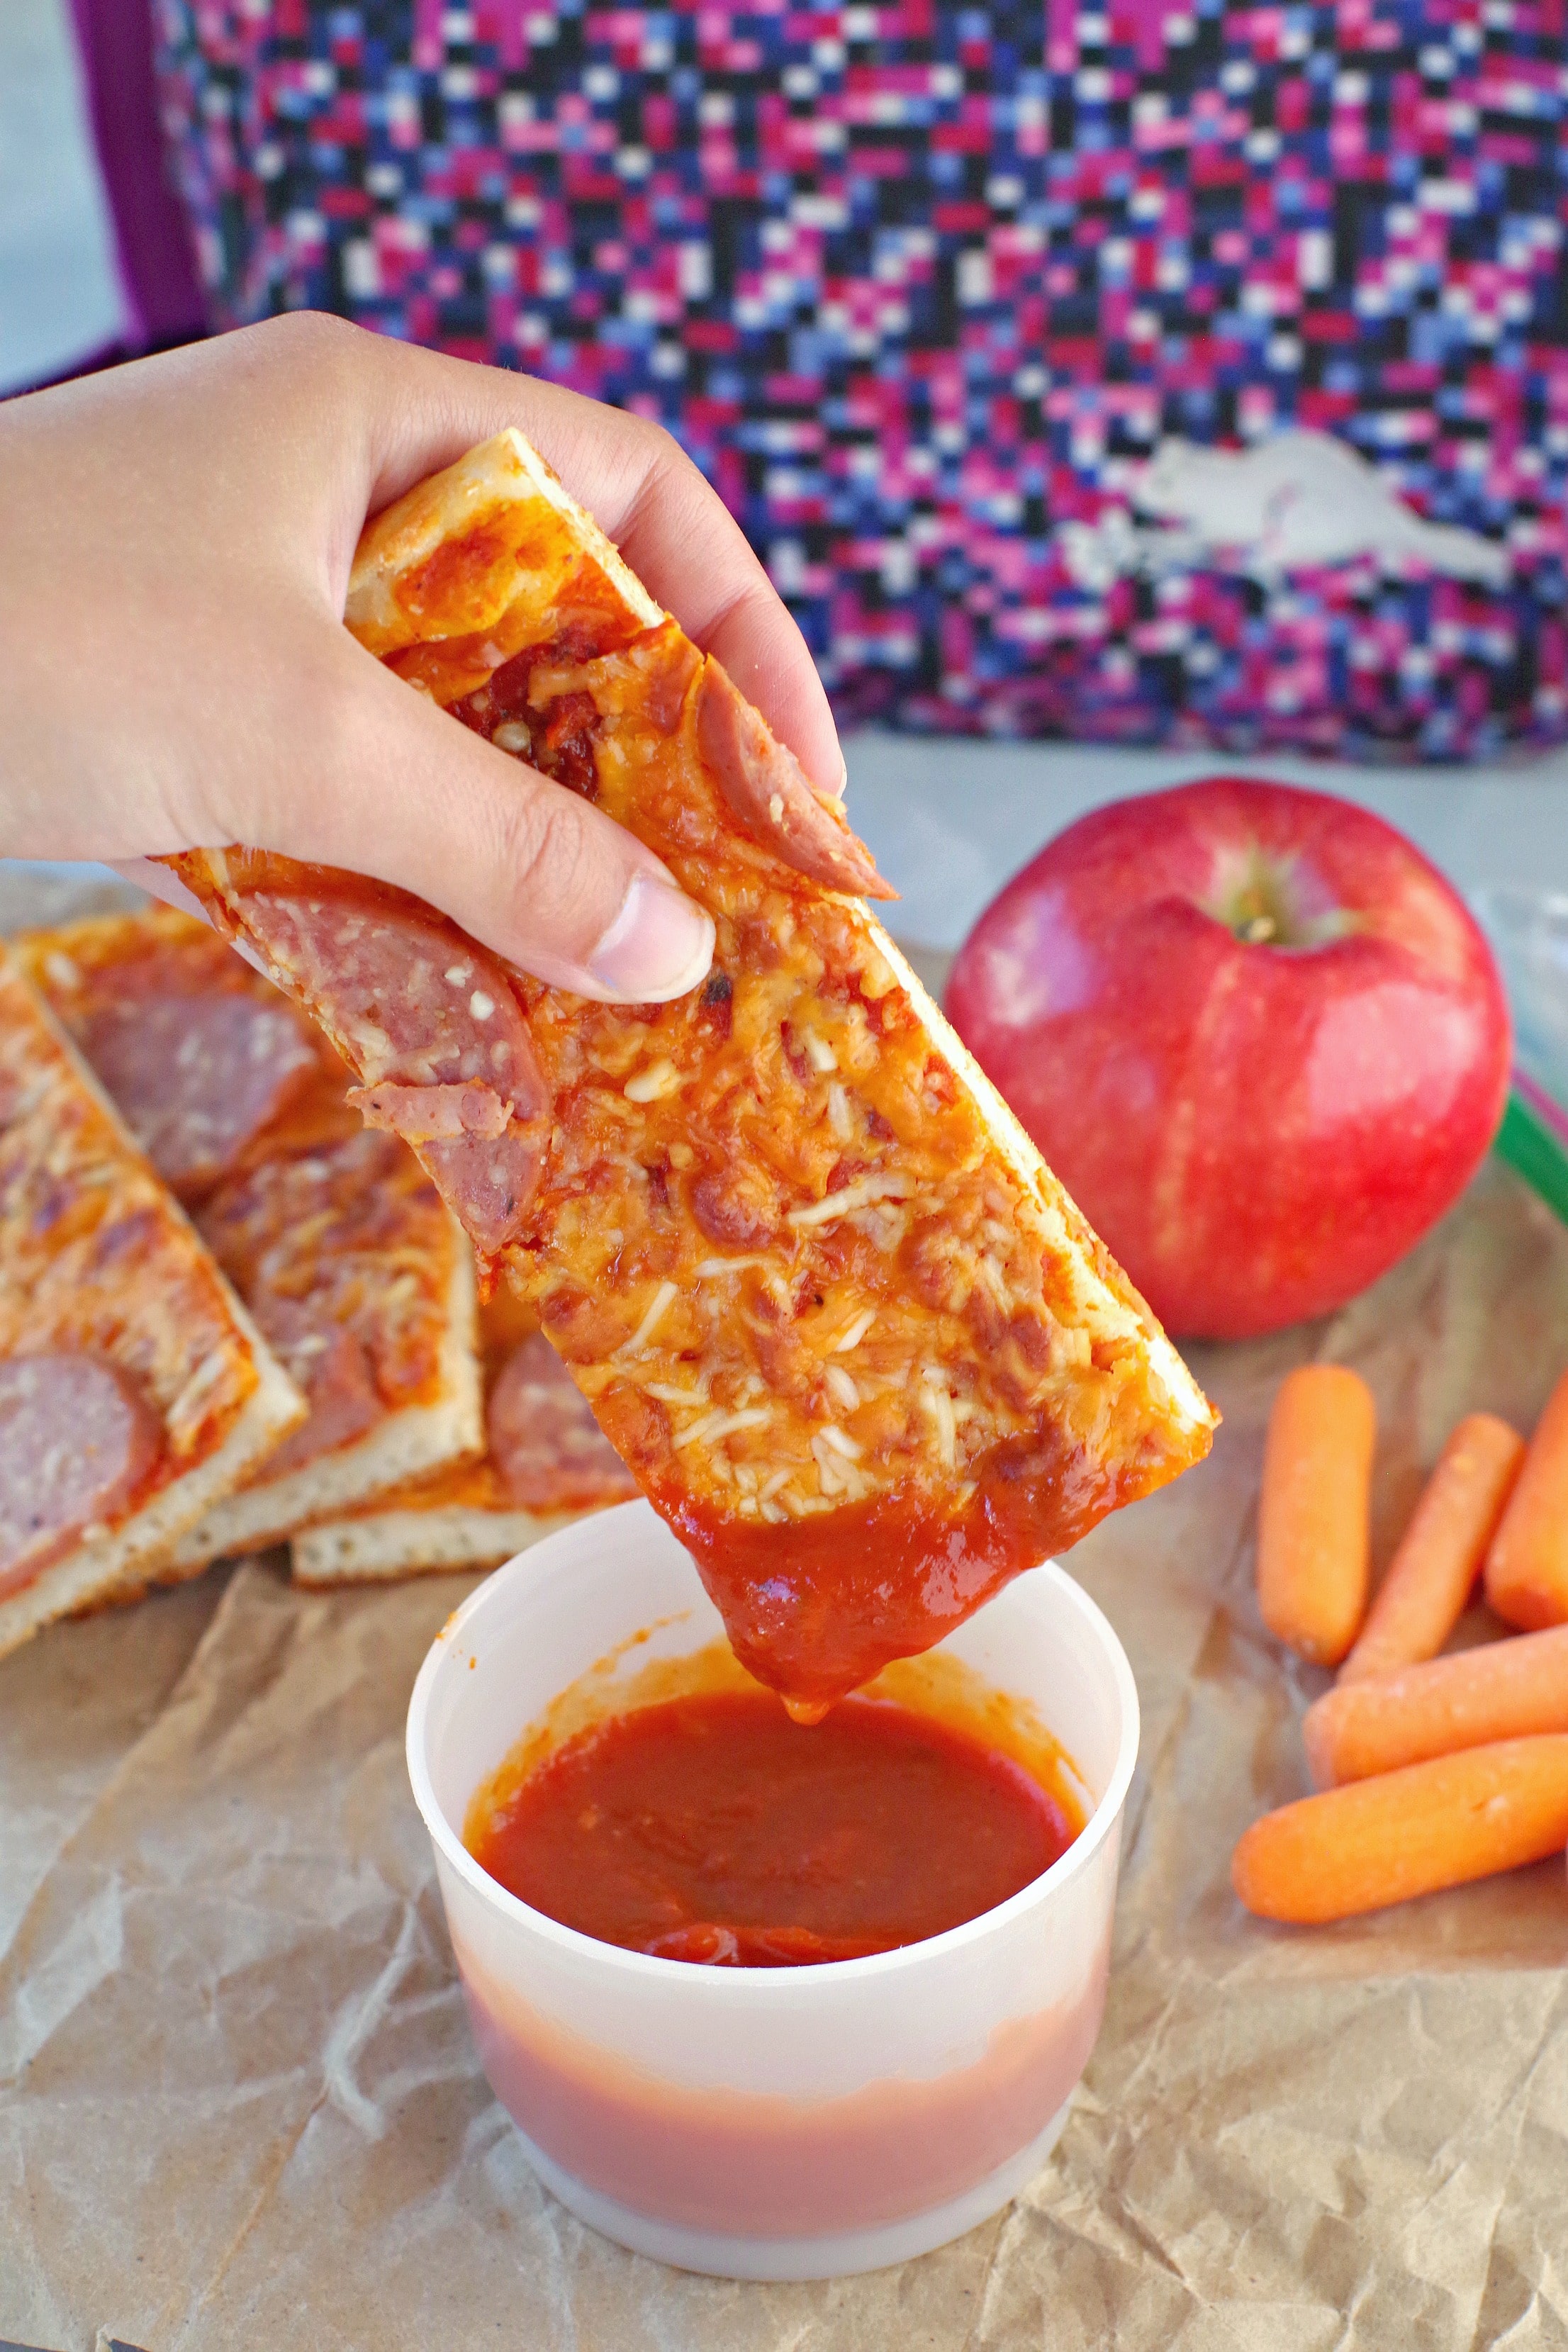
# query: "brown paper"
240,2106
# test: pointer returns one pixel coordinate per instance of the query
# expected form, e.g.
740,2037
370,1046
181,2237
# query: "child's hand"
176,540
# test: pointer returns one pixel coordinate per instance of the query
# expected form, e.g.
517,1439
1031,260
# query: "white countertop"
950,821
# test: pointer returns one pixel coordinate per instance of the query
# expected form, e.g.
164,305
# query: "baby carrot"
1429,1578
1312,1533
1527,1567
1410,1832
1503,1690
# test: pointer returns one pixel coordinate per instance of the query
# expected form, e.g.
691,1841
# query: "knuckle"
668,474
542,848
311,338
664,450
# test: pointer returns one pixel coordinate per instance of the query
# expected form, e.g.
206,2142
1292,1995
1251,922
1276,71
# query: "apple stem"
1259,899
1256,909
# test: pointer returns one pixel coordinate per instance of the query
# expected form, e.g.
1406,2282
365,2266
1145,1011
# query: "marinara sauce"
711,1828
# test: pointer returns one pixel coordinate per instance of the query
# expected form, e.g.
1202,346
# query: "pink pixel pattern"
923,287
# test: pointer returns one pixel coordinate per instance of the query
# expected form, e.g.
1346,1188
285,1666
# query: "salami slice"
550,1452
327,1249
431,1114
767,790
197,1077
424,1008
76,1443
334,1370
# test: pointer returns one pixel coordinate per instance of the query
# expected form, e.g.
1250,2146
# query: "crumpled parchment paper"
240,2106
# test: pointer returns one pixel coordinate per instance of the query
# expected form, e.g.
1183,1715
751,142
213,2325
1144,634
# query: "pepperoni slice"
76,1443
738,1206
431,1114
768,791
550,1451
336,1374
196,1077
489,1187
421,1006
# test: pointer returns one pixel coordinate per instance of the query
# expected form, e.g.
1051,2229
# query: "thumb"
390,785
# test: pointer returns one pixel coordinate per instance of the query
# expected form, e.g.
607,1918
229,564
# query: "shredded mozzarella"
861,1194
937,1405
667,1393
652,1084
715,1425
855,1332
664,1298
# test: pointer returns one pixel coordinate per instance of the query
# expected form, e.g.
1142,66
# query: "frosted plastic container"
770,2123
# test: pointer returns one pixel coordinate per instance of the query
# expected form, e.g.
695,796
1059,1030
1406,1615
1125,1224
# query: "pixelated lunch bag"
1130,373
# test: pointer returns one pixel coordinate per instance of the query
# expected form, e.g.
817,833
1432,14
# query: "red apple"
1254,1032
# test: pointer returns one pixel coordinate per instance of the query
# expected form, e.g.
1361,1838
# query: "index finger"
674,530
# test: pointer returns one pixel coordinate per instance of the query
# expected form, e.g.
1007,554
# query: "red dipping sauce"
711,1828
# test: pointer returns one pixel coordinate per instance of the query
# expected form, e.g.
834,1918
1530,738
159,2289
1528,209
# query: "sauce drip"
713,1828
814,1608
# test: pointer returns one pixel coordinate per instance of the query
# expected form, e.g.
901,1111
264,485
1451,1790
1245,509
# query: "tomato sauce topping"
815,1608
711,1828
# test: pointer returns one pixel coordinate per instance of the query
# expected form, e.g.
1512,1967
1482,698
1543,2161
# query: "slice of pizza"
824,1296
331,1233
547,1463
135,1392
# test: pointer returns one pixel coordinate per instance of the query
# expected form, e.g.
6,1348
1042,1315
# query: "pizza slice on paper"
331,1233
824,1297
546,1462
135,1392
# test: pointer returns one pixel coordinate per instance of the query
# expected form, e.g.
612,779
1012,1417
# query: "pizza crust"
506,473
385,1545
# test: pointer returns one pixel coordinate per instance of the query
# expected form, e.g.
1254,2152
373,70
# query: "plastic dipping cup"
770,2123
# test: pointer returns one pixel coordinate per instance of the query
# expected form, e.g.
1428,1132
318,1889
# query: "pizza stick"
824,1297
136,1393
546,1462
333,1235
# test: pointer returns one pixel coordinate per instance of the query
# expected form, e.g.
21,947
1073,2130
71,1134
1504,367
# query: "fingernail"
659,946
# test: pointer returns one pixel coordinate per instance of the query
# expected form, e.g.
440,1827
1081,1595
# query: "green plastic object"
1528,934
1528,1140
